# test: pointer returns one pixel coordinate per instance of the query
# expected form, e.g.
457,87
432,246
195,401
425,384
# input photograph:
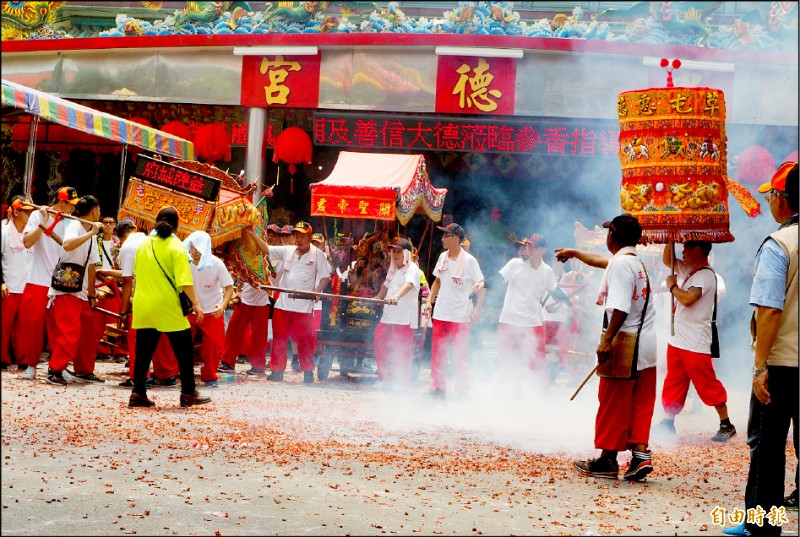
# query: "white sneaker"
70,378
29,374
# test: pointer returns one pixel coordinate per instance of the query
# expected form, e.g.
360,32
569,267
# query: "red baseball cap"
778,181
69,194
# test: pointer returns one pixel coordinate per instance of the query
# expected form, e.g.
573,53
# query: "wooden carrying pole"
63,215
311,295
584,382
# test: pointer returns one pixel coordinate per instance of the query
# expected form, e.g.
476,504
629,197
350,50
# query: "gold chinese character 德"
481,95
278,71
679,105
622,107
362,207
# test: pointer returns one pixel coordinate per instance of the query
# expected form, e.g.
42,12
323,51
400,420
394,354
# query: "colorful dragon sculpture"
207,11
22,20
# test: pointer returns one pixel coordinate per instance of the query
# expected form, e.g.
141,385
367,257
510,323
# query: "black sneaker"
103,357
225,368
599,467
169,381
242,359
276,376
256,372
308,377
127,383
725,433
790,502
296,365
639,467
90,377
56,377
4,366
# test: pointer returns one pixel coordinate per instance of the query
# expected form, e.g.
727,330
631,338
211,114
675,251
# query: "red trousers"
626,411
9,311
111,302
244,319
317,326
75,337
213,329
521,346
686,366
299,327
394,352
446,335
165,364
36,318
558,333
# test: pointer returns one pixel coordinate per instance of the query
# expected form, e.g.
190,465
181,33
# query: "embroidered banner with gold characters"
674,172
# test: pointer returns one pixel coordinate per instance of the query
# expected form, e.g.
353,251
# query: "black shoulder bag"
186,304
68,277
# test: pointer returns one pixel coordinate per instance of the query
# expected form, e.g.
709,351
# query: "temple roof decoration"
768,26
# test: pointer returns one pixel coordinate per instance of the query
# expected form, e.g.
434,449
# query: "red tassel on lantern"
292,146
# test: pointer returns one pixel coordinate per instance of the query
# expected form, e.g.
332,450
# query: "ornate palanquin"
674,171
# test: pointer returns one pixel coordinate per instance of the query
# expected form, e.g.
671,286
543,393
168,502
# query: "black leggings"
146,342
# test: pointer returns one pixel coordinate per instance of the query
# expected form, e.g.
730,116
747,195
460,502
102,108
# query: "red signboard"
354,202
474,85
280,81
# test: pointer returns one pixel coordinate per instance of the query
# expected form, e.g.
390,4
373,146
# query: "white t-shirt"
45,251
405,312
627,286
127,252
16,265
105,253
209,284
527,287
693,324
252,296
79,255
300,273
452,302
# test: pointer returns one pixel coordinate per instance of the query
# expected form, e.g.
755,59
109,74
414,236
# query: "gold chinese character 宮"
479,94
278,71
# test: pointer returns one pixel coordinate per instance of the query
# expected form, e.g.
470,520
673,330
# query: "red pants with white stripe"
446,335
394,352
36,318
626,411
213,329
684,367
244,319
299,327
165,364
9,310
521,346
75,336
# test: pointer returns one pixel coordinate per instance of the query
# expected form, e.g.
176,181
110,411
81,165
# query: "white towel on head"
202,242
601,298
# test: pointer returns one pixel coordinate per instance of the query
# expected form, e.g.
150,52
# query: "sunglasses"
109,222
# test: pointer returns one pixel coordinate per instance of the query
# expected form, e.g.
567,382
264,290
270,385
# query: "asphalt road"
342,458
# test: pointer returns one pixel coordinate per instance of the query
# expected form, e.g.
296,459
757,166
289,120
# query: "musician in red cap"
43,233
16,265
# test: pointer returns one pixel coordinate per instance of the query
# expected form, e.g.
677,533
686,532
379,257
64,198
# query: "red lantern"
292,146
178,128
212,142
754,165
